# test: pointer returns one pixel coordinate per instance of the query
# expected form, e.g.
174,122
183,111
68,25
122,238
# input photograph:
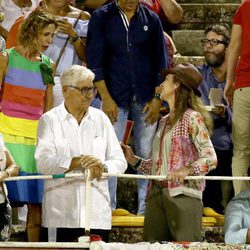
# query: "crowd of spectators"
61,65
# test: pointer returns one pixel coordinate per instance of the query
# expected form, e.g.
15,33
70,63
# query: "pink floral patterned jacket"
192,146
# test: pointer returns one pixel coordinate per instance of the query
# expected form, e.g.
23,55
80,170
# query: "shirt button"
130,44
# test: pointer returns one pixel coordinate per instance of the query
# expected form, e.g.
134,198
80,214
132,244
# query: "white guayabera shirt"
60,138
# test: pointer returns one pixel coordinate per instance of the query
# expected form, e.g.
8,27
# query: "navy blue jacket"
130,61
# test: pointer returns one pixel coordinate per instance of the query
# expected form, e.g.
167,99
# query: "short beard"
217,61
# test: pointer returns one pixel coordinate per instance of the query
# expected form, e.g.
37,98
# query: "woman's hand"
64,26
178,176
129,154
152,110
3,176
11,168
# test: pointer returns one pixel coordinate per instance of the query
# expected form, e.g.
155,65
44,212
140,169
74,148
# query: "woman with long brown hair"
181,147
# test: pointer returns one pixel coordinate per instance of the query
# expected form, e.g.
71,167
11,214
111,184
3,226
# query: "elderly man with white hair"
72,137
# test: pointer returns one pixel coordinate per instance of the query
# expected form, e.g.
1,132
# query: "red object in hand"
128,130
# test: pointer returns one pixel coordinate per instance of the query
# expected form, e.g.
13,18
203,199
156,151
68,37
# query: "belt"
161,184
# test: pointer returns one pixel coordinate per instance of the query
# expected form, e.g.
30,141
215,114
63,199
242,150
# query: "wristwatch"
138,163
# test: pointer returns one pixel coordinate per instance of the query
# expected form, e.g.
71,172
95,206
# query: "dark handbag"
5,218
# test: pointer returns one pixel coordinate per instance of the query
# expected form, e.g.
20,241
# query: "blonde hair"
33,26
185,98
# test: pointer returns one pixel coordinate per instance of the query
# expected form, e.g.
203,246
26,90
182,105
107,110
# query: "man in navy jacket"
126,51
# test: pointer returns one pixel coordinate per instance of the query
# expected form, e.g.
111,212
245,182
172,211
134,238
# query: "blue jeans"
143,135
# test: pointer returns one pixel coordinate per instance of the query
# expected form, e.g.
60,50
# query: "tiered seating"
198,14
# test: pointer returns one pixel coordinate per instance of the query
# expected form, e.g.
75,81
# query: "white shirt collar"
64,114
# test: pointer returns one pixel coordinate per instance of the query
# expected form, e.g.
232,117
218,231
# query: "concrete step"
187,42
195,60
130,234
198,16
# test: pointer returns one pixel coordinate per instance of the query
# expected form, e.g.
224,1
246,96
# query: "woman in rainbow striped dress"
27,92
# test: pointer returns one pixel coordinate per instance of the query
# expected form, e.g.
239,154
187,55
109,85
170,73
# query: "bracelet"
74,38
138,163
157,96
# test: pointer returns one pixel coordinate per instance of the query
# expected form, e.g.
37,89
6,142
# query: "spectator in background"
12,10
27,92
181,147
215,46
72,31
237,219
74,137
126,51
237,92
171,8
166,9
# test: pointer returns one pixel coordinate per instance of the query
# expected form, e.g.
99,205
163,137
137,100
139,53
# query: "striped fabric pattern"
22,105
23,95
22,149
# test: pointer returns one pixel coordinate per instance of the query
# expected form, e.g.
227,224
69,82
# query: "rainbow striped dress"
22,105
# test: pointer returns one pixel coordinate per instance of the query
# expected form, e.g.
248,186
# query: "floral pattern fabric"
192,146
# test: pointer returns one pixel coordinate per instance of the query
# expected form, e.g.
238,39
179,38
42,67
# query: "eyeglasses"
212,42
84,90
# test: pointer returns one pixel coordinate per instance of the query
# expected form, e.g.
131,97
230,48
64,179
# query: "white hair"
76,73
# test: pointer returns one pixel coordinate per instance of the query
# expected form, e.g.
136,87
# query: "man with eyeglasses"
71,138
215,46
